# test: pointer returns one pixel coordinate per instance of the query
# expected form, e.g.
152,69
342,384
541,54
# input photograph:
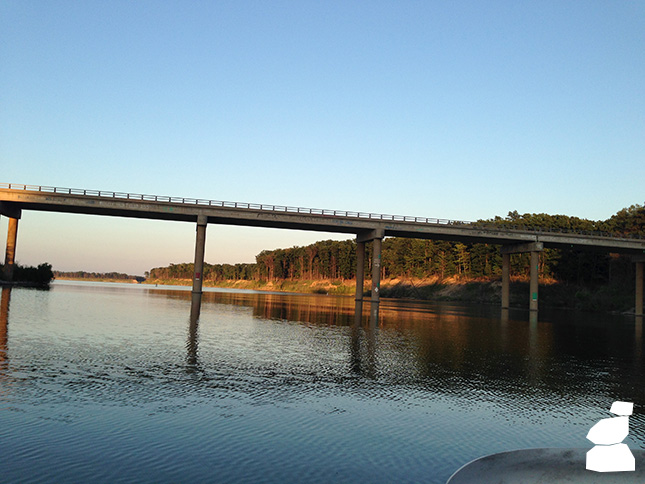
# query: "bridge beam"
376,237
639,261
10,209
534,248
522,248
200,245
10,252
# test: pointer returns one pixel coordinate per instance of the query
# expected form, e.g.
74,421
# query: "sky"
449,109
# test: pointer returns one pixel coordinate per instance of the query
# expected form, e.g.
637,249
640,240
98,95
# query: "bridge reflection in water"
442,342
450,343
316,310
5,299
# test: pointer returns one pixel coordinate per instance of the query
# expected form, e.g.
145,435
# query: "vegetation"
422,268
98,276
418,258
33,276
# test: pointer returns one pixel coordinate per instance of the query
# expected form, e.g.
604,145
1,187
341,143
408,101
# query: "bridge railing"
225,204
299,210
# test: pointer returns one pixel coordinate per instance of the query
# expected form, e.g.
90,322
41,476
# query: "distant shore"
98,279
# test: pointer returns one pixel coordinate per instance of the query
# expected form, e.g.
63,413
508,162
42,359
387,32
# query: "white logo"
609,454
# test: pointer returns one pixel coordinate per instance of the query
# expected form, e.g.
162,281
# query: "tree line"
421,258
37,276
97,275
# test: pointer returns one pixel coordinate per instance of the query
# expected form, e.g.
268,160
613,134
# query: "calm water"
112,383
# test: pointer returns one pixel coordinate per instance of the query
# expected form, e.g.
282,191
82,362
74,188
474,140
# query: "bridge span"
367,227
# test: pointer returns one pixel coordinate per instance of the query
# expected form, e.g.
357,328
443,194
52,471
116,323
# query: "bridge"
367,227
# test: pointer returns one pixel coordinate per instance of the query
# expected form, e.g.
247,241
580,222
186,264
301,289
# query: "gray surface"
532,466
92,202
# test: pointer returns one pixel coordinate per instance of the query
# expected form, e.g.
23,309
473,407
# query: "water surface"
114,383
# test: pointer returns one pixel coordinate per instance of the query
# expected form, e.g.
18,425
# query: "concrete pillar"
506,280
200,244
639,288
358,312
376,236
376,270
10,253
534,248
360,269
533,287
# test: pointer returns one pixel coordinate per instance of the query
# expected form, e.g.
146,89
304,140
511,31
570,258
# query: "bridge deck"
14,198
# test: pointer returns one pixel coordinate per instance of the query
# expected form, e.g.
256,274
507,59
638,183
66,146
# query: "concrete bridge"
367,227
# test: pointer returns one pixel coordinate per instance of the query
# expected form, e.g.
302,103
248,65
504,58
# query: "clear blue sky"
448,109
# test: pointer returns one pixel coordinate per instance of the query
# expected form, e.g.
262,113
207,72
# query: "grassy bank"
297,286
610,298
552,294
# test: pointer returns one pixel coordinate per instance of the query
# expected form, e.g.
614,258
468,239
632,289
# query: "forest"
421,259
39,276
116,276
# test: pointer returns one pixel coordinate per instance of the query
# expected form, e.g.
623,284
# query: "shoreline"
98,279
35,285
612,299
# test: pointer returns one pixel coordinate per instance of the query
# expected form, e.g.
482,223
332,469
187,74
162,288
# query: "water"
113,383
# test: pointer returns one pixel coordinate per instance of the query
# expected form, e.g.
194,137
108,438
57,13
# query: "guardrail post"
10,253
200,245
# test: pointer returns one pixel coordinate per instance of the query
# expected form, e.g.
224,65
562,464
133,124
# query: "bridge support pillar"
360,269
640,263
376,270
534,248
506,280
10,252
200,245
533,285
376,236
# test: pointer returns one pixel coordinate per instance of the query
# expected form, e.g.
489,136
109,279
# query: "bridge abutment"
534,248
376,237
198,272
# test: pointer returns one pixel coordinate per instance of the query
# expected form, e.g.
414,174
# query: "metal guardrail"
299,210
226,204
